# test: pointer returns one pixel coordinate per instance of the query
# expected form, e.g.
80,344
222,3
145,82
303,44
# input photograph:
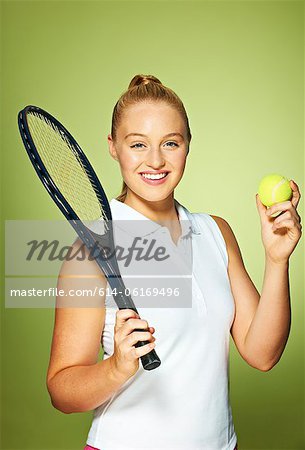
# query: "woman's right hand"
126,356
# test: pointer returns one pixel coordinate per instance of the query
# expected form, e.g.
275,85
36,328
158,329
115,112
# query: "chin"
153,195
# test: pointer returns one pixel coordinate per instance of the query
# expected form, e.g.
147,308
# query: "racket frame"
151,360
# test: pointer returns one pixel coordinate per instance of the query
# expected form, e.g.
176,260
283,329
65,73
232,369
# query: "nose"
155,158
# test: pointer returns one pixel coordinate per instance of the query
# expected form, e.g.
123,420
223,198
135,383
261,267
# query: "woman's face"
151,147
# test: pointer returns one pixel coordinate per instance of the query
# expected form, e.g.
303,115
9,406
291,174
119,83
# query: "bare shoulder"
82,281
79,262
233,249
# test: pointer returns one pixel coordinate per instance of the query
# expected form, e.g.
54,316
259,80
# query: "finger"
144,349
133,324
296,195
122,315
284,216
279,208
137,336
261,208
288,223
289,215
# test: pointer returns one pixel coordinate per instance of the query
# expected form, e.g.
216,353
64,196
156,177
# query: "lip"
154,171
154,182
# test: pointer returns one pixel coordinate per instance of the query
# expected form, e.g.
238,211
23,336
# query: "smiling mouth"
154,175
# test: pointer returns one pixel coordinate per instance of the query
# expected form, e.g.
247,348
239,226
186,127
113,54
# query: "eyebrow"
144,135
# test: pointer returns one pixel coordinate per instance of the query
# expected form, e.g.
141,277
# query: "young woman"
184,403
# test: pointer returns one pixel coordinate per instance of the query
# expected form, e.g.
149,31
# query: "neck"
162,211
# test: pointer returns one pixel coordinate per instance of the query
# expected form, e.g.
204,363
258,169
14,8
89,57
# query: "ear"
112,149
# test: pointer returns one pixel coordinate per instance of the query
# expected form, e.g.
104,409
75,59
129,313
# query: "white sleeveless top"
184,403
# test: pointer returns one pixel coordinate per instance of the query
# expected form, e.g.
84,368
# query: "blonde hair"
145,88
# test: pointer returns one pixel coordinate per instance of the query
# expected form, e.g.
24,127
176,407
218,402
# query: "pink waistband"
88,447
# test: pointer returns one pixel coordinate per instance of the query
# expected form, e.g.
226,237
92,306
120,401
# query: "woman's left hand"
281,234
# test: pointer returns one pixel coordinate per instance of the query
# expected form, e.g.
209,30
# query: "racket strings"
66,168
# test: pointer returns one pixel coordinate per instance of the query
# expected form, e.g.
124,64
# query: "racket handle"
151,360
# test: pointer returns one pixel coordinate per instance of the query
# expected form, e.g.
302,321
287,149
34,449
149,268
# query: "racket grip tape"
151,360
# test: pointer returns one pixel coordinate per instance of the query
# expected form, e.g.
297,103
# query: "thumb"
122,315
261,208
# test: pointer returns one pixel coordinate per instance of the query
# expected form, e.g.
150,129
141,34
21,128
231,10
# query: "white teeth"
151,176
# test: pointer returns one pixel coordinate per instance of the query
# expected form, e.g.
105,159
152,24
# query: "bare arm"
262,322
76,380
269,330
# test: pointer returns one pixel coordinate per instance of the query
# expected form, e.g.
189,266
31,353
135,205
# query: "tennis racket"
69,178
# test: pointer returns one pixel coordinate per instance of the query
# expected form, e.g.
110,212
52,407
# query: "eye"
172,142
135,145
139,144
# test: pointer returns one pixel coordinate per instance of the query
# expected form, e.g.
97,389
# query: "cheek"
129,161
178,162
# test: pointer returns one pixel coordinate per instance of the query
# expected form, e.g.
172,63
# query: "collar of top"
121,211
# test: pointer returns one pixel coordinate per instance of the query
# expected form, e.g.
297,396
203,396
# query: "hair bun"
143,79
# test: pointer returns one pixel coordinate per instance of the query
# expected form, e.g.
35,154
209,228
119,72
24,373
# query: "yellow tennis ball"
274,188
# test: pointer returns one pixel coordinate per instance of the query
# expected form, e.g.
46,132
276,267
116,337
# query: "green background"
238,68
